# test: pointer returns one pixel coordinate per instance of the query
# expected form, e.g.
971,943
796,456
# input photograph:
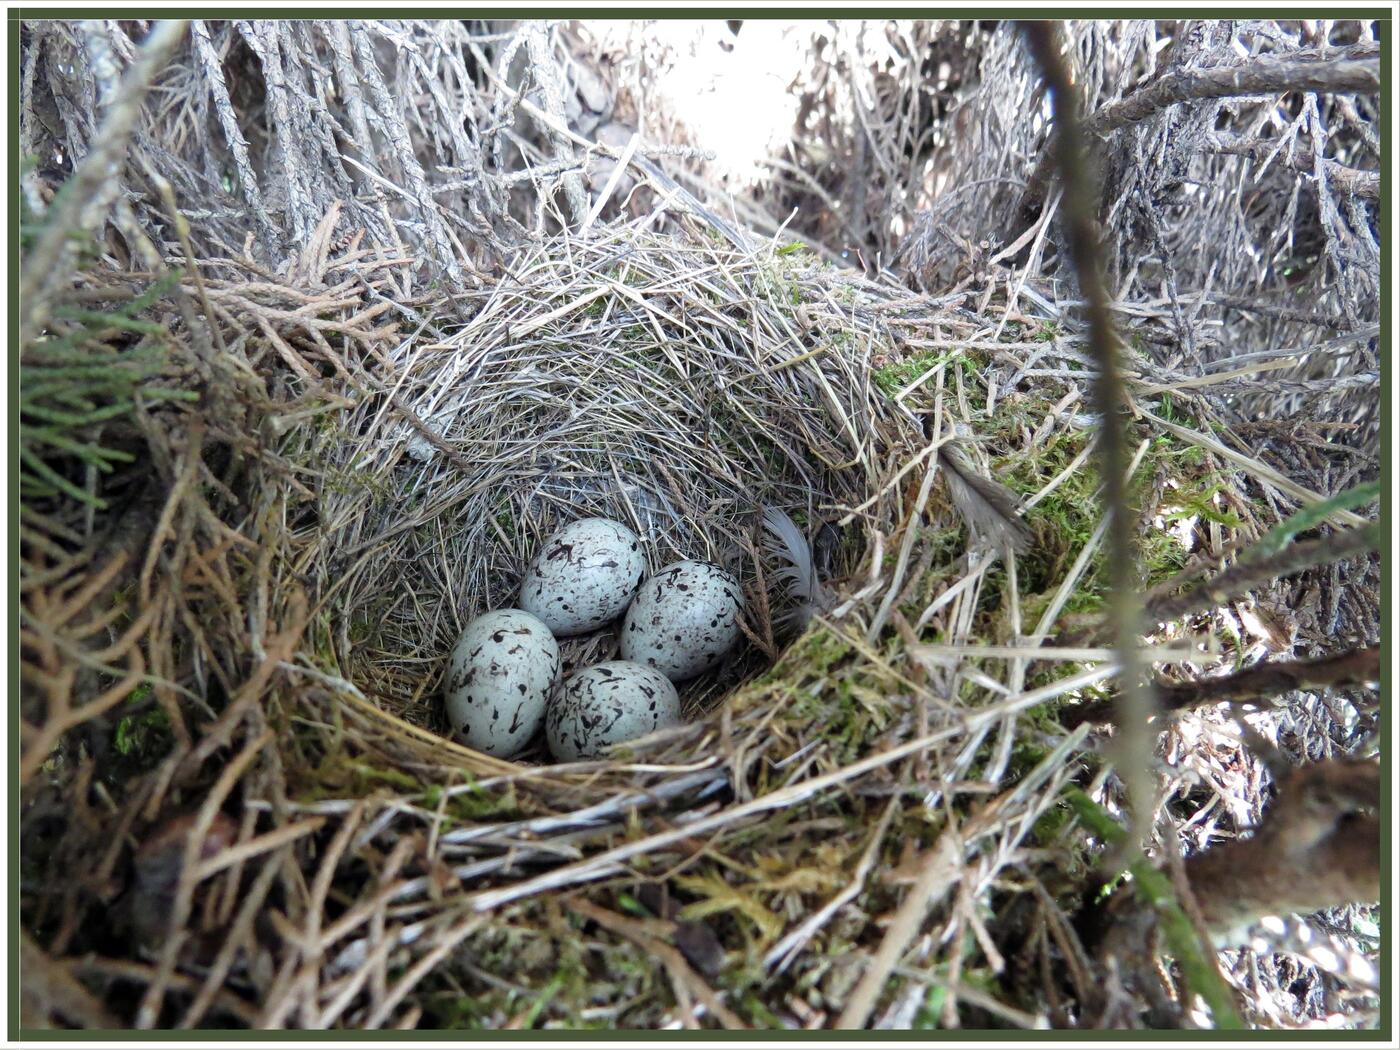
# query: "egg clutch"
502,680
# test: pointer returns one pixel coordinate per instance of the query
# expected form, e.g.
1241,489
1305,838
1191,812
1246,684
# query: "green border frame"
1383,16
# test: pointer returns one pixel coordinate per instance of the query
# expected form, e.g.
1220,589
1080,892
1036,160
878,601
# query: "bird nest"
369,470
262,495
680,388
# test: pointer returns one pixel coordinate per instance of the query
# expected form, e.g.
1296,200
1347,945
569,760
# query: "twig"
420,969
92,187
1124,613
1262,76
786,950
1245,574
940,870
1364,184
58,991
1357,667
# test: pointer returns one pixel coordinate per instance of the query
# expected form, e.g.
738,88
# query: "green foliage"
1313,515
472,805
895,376
1201,504
82,375
339,774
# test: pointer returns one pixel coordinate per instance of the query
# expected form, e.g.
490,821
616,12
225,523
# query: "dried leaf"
700,947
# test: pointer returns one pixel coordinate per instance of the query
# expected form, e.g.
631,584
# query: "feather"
988,507
800,572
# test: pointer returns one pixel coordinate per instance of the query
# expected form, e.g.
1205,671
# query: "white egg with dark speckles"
684,619
499,680
607,704
584,576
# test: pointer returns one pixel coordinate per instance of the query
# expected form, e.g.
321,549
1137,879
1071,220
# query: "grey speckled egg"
499,680
584,576
684,620
607,704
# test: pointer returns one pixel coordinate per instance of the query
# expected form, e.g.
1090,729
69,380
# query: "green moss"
142,739
799,252
474,804
890,379
338,774
1169,410
345,481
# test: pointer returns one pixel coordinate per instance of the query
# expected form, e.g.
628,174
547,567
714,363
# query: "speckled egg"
499,680
607,704
684,620
584,576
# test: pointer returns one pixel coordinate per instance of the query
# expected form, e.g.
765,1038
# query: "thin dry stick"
1247,574
1358,667
940,870
238,937
785,951
262,844
1365,184
320,887
1123,607
151,1002
405,984
1262,76
61,993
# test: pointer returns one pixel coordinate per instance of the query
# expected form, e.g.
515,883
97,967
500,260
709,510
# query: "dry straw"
674,384
402,375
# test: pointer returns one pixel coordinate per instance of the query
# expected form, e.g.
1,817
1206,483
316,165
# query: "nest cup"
676,387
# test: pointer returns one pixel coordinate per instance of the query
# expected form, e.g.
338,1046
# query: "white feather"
800,574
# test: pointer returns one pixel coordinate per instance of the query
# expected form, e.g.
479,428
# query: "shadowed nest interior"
672,384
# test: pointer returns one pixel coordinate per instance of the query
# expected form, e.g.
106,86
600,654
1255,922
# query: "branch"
1263,76
1124,605
1354,181
1273,679
1353,668
1249,573
1317,847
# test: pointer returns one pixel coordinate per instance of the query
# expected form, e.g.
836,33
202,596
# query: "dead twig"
1357,667
1262,76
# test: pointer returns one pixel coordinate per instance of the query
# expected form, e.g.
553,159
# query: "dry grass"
865,823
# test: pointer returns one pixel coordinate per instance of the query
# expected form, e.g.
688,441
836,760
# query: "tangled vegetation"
308,369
